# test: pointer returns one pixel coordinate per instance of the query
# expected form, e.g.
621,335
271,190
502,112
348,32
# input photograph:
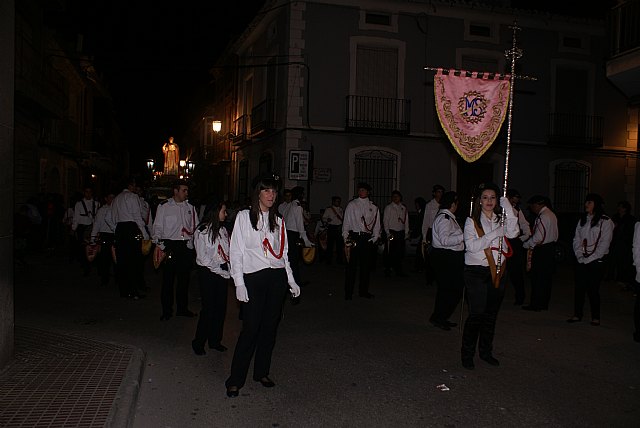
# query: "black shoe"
295,300
136,296
266,382
198,349
531,308
367,295
467,363
232,391
441,325
451,324
218,347
165,317
489,359
186,313
574,319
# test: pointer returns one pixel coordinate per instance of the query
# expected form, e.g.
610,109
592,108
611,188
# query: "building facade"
330,93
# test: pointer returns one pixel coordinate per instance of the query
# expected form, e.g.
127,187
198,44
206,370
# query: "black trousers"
294,254
178,265
81,232
484,301
543,266
360,264
515,269
587,281
448,266
128,243
213,293
260,318
394,252
104,259
335,242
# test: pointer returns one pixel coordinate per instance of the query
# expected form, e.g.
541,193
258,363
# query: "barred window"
571,185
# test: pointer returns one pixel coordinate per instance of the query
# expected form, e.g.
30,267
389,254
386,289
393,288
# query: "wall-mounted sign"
299,164
322,174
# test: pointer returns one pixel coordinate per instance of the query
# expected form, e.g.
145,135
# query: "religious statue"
171,157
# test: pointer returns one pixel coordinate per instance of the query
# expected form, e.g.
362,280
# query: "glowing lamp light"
191,166
182,163
216,125
150,164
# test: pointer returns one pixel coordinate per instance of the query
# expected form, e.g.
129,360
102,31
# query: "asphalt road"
359,363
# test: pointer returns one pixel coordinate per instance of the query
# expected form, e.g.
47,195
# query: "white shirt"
523,224
333,215
175,221
592,243
145,211
446,231
395,218
475,245
545,229
212,254
361,215
104,222
430,211
82,216
248,251
125,208
293,215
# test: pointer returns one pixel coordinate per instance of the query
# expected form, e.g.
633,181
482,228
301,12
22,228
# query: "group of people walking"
473,259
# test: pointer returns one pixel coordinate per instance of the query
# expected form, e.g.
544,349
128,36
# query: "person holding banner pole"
484,278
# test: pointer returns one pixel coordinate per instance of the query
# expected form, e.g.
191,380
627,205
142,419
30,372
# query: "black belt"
362,234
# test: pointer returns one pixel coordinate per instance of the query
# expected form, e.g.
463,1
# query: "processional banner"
471,107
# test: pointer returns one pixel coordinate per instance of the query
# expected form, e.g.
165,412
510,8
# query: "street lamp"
191,165
150,164
216,125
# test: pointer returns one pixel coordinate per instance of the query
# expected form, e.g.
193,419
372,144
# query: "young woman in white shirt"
262,275
211,241
485,264
590,245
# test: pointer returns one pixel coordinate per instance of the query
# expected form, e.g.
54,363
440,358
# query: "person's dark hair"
513,193
297,193
396,192
538,199
626,205
421,202
211,219
263,182
178,183
336,198
437,187
477,208
448,199
598,209
365,186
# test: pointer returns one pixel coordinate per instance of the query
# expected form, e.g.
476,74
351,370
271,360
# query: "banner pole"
514,53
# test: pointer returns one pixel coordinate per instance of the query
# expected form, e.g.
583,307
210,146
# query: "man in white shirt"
84,214
332,217
292,213
102,233
361,231
430,211
544,235
397,231
130,230
516,264
173,230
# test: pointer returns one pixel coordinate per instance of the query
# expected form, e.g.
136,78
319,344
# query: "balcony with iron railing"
262,121
378,115
624,48
568,129
61,134
241,127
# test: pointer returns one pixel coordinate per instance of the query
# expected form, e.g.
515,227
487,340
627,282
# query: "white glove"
242,294
496,233
295,290
307,243
508,208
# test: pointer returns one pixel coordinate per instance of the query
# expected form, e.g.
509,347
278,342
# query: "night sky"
155,60
155,57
